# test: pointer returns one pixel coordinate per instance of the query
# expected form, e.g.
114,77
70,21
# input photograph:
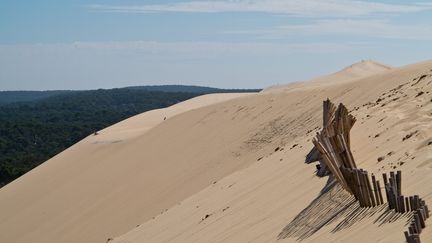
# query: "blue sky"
225,43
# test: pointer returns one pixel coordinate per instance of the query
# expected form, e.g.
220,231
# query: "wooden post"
375,188
414,226
422,214
407,237
416,201
385,178
393,197
410,230
364,177
401,204
416,238
371,194
379,192
392,176
421,219
412,204
389,199
360,188
417,223
355,185
399,182
407,206
365,189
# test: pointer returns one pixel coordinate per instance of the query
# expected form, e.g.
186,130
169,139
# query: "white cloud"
335,17
202,49
373,28
377,28
335,8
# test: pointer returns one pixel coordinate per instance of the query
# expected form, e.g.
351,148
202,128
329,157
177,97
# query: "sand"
234,171
349,74
141,123
87,193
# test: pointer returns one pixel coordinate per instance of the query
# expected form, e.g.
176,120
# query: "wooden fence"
417,224
332,150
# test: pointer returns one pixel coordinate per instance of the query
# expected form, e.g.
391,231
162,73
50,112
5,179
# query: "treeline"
190,89
7,97
33,132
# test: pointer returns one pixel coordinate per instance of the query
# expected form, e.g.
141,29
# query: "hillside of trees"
190,89
32,132
7,97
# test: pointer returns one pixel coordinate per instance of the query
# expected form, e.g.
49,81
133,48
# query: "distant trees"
33,132
7,97
36,125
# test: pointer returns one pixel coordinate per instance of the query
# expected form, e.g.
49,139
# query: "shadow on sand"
332,205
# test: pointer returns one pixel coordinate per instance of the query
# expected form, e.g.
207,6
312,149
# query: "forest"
35,130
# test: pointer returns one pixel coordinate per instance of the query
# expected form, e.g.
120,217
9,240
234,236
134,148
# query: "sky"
75,44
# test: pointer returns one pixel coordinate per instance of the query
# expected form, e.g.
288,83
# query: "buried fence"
332,150
417,224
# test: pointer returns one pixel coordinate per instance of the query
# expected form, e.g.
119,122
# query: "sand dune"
351,73
87,193
278,198
139,124
233,171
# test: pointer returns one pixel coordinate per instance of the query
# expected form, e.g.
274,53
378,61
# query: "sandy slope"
141,123
278,198
107,183
213,175
349,74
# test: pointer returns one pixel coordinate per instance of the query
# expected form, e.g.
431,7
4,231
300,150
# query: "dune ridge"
351,73
232,171
87,192
279,199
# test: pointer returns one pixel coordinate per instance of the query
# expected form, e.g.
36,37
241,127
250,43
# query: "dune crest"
351,73
233,171
278,199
